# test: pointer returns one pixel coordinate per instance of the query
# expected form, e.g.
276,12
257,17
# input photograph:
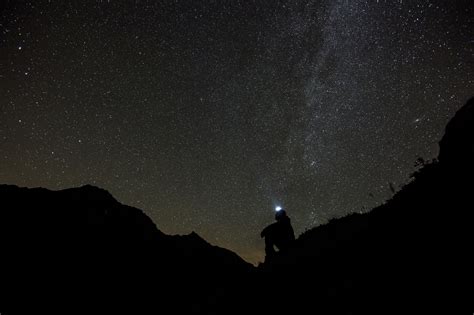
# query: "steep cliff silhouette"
81,251
409,255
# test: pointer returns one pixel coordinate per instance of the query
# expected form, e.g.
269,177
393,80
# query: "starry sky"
208,114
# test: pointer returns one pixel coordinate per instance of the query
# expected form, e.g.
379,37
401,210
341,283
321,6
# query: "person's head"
280,215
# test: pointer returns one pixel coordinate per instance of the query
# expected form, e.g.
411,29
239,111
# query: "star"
205,122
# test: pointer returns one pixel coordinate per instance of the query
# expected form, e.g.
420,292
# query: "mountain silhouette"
81,251
81,247
409,255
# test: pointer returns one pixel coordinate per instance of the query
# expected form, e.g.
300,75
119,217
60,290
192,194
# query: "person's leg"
269,242
269,247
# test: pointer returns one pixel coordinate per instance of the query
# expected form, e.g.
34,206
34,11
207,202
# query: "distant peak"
92,193
195,236
93,188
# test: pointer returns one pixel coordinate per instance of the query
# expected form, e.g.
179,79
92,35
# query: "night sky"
208,114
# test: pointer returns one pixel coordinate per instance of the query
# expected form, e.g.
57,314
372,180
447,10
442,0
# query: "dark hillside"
80,249
410,253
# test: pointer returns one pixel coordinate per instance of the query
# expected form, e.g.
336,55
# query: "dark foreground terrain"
80,251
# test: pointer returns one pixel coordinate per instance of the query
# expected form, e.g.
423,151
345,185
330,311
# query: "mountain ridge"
408,255
81,236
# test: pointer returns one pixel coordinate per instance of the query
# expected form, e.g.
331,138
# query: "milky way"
208,114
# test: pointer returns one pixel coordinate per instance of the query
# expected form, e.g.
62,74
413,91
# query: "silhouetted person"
279,234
